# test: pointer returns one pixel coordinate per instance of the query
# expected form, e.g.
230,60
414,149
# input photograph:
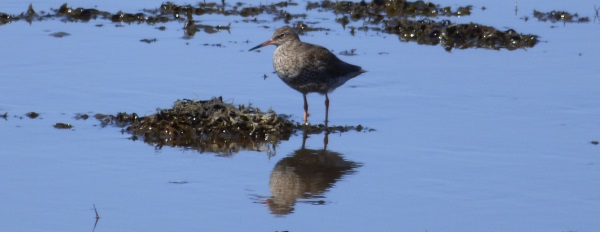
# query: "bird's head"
280,36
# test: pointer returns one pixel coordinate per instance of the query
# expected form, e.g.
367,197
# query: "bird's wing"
326,62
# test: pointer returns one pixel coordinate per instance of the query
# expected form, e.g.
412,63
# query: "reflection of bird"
308,68
307,174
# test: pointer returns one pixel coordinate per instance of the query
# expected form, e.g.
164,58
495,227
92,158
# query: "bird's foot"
305,118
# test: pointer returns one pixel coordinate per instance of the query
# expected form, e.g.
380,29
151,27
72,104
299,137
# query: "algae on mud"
388,8
559,16
215,126
390,16
210,125
461,36
393,16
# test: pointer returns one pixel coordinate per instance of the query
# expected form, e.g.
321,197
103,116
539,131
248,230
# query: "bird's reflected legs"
326,112
304,137
305,110
326,139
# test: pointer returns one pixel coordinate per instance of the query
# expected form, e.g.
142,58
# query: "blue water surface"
468,140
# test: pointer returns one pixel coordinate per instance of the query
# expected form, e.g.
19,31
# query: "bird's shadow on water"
304,177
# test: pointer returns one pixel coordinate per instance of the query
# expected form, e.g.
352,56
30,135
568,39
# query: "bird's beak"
267,43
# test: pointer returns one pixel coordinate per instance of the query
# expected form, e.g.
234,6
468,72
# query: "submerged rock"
59,34
61,125
32,115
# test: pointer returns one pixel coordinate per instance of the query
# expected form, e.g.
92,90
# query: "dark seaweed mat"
559,16
461,36
393,14
206,126
215,126
390,16
378,9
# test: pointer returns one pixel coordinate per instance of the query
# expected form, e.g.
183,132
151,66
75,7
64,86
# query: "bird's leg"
326,111
305,110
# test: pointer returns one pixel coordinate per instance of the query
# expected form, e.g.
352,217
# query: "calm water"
472,140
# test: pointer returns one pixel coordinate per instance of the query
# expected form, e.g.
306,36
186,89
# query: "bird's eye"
281,35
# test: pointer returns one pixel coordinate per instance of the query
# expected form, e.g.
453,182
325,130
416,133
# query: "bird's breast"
285,64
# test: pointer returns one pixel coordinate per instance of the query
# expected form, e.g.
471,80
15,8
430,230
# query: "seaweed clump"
398,17
211,125
559,16
389,8
460,36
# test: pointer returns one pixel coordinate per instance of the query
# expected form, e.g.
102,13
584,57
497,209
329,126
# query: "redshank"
308,68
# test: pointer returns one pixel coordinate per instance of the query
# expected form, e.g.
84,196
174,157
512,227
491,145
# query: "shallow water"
471,140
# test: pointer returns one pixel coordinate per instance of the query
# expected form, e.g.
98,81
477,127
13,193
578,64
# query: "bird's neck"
289,44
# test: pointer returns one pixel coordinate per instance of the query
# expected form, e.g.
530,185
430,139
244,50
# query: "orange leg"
305,110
